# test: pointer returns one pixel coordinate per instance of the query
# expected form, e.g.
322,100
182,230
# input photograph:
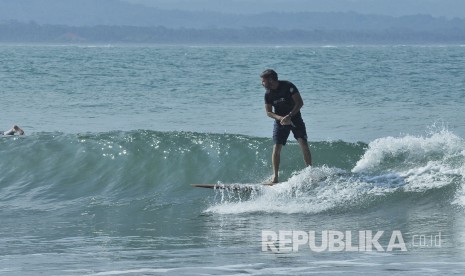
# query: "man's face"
267,83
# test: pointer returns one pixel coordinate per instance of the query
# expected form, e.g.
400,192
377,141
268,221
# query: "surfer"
283,103
13,130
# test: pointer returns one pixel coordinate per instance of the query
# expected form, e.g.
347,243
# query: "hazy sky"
447,8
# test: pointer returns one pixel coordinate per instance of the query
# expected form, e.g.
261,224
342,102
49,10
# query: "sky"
437,8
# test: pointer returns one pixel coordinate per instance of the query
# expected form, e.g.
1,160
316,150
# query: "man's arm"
298,103
13,130
269,112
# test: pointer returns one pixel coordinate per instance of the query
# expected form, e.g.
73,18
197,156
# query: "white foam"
413,148
409,164
312,190
424,163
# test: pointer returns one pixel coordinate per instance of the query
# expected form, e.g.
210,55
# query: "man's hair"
270,73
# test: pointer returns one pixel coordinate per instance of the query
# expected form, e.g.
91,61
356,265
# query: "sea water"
100,185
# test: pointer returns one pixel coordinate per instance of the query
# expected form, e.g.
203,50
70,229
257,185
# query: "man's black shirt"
281,98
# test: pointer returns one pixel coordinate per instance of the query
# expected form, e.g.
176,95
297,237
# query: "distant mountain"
121,13
437,8
17,32
78,13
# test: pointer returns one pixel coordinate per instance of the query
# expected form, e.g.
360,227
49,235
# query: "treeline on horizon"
20,32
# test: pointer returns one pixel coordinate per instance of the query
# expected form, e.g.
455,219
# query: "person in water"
15,129
283,103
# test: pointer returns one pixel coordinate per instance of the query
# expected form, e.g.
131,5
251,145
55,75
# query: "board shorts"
281,133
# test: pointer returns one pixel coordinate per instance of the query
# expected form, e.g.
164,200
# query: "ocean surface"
115,136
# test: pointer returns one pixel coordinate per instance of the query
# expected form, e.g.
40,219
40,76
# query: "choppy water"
116,135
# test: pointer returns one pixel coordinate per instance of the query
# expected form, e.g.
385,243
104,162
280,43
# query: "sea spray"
126,166
391,169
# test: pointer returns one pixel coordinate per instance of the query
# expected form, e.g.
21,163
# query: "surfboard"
234,187
12,136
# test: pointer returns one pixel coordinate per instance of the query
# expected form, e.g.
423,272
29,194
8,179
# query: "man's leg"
306,151
276,158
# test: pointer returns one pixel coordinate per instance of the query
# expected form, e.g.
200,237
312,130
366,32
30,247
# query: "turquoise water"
351,93
100,185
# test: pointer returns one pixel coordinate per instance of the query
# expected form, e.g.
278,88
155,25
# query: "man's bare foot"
272,181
